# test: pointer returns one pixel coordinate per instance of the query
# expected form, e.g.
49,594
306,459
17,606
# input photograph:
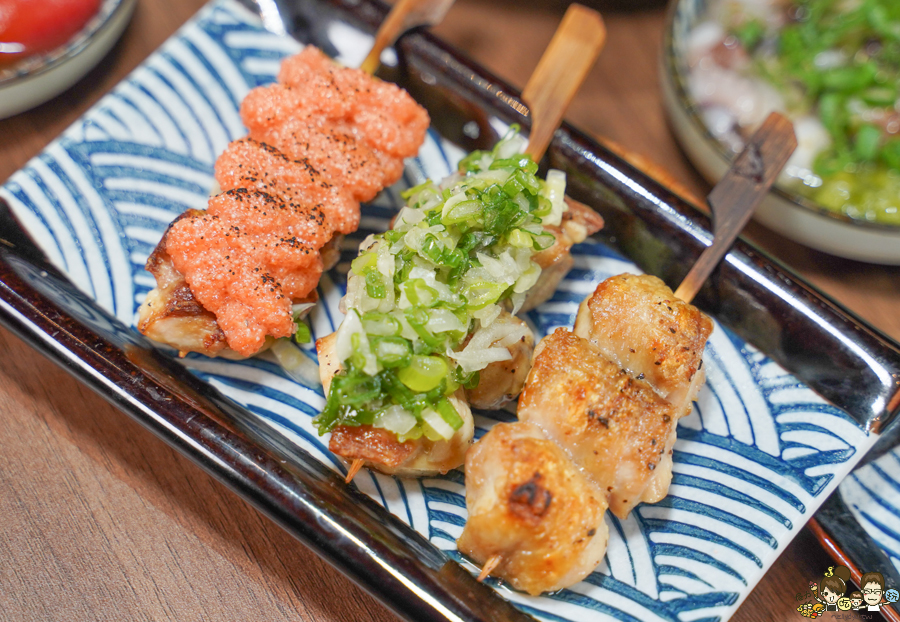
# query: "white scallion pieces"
422,299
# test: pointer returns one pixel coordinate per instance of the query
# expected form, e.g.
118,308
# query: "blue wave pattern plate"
752,463
872,493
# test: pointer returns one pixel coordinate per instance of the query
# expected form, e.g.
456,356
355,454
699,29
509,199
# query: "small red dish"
47,46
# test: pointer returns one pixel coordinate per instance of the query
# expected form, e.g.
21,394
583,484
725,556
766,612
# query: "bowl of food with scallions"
833,67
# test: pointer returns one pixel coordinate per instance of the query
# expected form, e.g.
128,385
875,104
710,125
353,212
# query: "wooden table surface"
99,520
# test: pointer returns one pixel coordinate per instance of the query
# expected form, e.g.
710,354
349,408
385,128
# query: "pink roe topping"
324,139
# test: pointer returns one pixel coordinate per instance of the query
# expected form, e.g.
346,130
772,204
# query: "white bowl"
782,211
36,79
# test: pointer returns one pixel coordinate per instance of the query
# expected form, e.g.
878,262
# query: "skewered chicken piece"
170,314
424,315
254,165
533,515
578,223
639,324
352,127
614,402
615,427
369,445
501,382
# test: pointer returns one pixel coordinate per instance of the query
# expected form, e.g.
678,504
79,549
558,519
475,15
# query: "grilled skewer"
574,48
611,392
312,144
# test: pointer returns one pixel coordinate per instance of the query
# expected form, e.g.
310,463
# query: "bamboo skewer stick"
355,466
560,72
735,197
404,15
488,567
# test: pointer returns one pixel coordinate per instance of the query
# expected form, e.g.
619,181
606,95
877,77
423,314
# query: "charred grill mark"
181,303
593,415
530,500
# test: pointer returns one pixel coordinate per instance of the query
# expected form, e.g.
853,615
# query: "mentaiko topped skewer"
233,279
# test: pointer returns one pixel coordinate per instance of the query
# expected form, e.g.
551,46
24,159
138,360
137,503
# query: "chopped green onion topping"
302,334
423,373
839,62
417,293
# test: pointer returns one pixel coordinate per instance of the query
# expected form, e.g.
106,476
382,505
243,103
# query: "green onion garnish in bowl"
834,69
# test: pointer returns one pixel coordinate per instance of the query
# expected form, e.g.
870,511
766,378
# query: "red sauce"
29,27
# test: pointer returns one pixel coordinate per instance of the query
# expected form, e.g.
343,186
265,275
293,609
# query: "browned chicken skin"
578,222
371,444
637,323
171,315
531,506
380,449
609,401
613,426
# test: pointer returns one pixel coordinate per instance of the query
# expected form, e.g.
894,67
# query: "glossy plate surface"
758,456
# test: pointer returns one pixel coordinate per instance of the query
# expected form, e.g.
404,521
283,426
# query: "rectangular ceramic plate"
759,454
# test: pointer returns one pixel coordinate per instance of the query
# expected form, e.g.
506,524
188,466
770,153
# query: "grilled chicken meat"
502,382
339,136
609,402
614,426
578,222
381,449
171,315
637,323
533,508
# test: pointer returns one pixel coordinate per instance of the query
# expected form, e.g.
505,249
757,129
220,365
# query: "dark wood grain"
739,192
101,521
